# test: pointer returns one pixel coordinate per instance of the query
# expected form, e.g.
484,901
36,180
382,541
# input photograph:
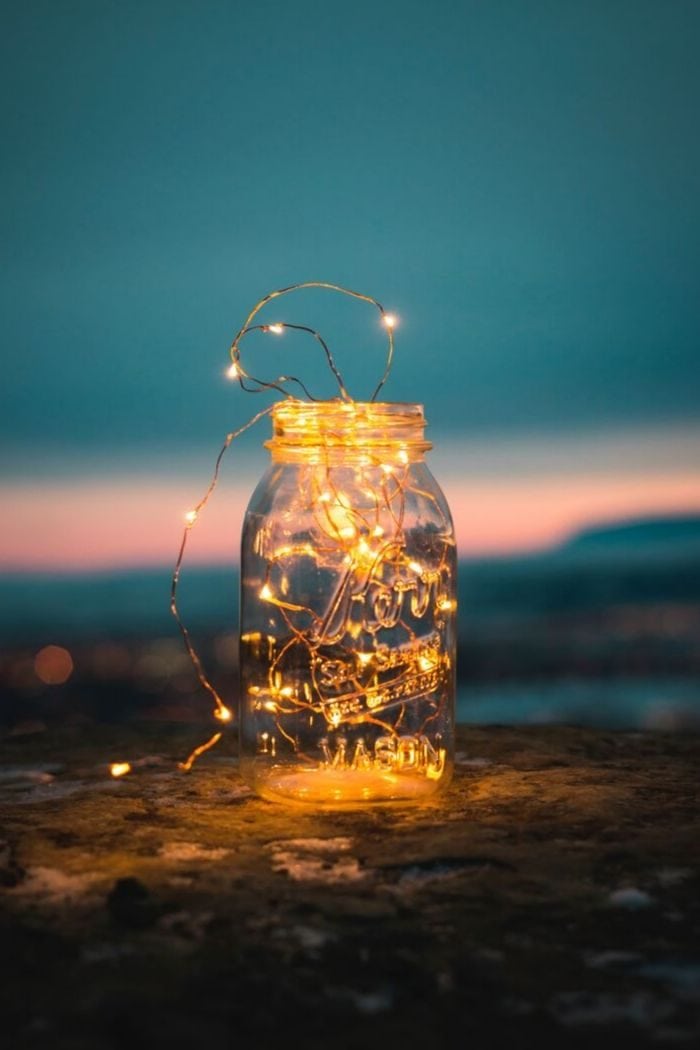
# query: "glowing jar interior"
348,575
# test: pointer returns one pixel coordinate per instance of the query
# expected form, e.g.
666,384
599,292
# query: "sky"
519,182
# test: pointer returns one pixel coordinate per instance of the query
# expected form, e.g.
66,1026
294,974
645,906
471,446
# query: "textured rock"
552,898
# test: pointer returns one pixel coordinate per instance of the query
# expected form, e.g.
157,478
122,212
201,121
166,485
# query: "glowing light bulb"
191,517
120,769
416,567
266,594
233,371
276,329
389,320
223,714
387,468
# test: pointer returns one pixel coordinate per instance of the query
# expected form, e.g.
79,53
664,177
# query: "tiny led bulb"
191,517
416,567
223,714
389,320
276,329
120,769
266,592
233,371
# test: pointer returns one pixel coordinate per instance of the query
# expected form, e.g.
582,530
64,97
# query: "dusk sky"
519,182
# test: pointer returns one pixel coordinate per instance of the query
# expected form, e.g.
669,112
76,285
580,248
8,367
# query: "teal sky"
519,181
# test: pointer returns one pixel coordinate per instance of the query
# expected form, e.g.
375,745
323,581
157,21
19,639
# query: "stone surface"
551,899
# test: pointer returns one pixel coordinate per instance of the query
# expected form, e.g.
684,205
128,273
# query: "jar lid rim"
351,407
345,426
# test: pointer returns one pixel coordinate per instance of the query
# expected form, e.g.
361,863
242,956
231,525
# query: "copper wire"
221,711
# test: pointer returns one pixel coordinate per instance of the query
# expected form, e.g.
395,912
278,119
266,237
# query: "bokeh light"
53,665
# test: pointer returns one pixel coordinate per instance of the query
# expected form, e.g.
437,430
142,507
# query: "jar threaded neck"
304,431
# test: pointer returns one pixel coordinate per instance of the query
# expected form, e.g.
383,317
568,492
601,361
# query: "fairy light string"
252,384
221,712
388,320
343,681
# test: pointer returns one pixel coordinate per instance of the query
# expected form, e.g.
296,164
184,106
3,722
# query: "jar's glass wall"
348,580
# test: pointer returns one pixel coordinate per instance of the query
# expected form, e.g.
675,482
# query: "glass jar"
348,588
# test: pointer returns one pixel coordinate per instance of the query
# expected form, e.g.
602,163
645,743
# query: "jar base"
337,789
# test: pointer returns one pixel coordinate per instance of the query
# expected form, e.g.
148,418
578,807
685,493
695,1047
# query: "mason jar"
348,609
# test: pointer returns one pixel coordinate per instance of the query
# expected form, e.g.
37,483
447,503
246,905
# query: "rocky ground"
551,899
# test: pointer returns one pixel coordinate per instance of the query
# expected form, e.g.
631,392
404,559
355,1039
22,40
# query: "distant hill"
656,532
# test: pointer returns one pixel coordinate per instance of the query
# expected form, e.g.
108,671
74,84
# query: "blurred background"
520,183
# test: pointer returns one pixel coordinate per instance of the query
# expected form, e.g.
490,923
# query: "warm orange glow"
276,329
390,320
447,605
191,517
233,371
186,766
222,714
120,769
53,665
